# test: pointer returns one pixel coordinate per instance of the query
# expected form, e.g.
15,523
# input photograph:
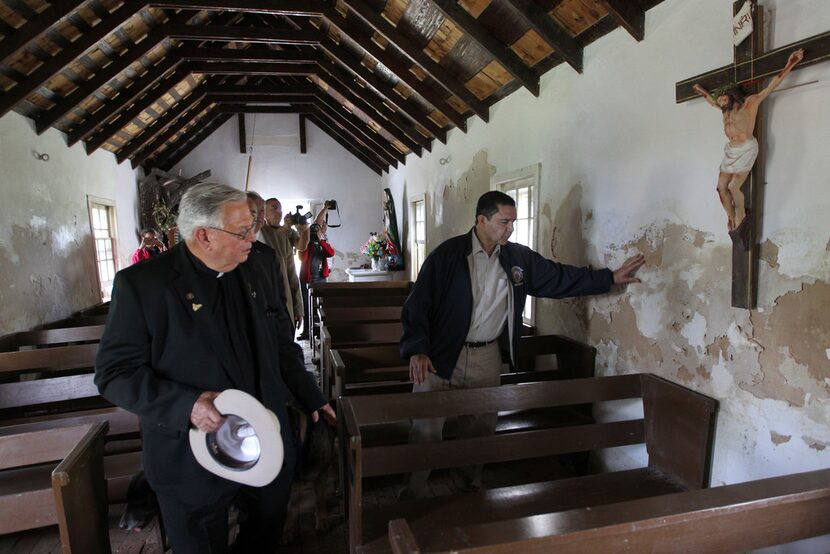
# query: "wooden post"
303,144
745,261
243,146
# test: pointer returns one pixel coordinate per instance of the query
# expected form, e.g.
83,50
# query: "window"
523,186
102,221
418,216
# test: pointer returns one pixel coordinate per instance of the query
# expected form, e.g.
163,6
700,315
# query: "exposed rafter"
546,27
506,57
34,28
211,121
418,56
631,15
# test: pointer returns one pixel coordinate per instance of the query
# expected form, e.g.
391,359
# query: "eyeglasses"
241,236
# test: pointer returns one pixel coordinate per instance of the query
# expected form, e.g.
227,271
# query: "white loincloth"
740,158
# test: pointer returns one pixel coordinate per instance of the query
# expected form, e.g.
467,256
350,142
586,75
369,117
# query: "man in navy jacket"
466,307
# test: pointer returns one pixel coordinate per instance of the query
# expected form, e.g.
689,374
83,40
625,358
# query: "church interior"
688,412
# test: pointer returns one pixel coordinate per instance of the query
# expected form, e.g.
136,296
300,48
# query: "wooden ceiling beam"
214,121
324,100
327,123
193,53
101,78
432,68
342,83
355,134
550,31
404,105
324,127
253,68
300,8
265,35
260,90
504,55
160,125
35,27
251,108
630,14
124,117
175,128
93,122
56,63
262,98
400,70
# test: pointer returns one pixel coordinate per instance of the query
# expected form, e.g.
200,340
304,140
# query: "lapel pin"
190,296
196,307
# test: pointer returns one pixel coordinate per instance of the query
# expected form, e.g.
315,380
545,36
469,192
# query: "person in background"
314,268
150,246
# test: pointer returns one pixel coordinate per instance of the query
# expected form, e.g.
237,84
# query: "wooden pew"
364,294
359,314
677,430
380,369
52,386
35,493
731,518
50,337
352,335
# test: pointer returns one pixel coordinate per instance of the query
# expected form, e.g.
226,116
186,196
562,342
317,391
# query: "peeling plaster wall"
278,170
626,170
46,250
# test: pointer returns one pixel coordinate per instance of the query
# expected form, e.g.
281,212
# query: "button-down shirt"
490,293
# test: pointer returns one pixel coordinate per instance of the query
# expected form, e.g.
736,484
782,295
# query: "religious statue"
739,114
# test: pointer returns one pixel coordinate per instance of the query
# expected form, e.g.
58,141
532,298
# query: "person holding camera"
150,246
315,265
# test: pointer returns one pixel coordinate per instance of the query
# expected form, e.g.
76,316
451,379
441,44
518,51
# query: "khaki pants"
476,367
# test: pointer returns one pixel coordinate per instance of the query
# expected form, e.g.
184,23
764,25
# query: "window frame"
93,203
529,177
415,261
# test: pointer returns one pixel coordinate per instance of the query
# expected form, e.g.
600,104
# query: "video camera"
301,219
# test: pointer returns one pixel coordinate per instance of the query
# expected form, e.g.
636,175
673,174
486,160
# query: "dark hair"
146,230
735,95
489,203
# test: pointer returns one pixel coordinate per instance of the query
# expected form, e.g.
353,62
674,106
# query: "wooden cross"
751,66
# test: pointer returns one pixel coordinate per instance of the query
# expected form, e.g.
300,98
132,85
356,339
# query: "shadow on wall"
48,274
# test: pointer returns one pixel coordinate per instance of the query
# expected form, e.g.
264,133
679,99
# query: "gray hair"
201,206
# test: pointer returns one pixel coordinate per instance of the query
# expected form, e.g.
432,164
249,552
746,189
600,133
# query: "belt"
479,344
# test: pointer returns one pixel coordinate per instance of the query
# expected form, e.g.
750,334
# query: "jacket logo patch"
518,275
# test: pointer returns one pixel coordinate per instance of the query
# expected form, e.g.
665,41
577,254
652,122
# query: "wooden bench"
28,340
36,493
677,430
78,321
352,335
360,314
731,518
350,295
380,369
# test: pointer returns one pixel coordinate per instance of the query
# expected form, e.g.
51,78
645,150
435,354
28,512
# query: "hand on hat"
204,415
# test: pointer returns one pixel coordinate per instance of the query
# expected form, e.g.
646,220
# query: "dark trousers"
308,321
204,529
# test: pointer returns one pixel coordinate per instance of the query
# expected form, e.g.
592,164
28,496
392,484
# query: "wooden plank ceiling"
149,80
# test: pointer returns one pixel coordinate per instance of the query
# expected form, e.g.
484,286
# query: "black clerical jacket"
163,346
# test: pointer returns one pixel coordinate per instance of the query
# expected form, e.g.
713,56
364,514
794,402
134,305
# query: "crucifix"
750,67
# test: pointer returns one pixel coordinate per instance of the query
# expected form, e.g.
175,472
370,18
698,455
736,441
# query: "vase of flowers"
378,247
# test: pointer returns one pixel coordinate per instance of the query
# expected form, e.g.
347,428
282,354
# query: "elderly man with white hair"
184,326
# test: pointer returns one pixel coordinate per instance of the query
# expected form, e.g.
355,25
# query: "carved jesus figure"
739,114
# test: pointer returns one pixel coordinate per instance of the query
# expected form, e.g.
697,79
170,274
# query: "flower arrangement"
378,246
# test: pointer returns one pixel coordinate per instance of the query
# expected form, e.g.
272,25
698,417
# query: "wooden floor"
377,492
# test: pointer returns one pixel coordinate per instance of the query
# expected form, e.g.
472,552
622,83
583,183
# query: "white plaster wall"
326,171
644,168
46,252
